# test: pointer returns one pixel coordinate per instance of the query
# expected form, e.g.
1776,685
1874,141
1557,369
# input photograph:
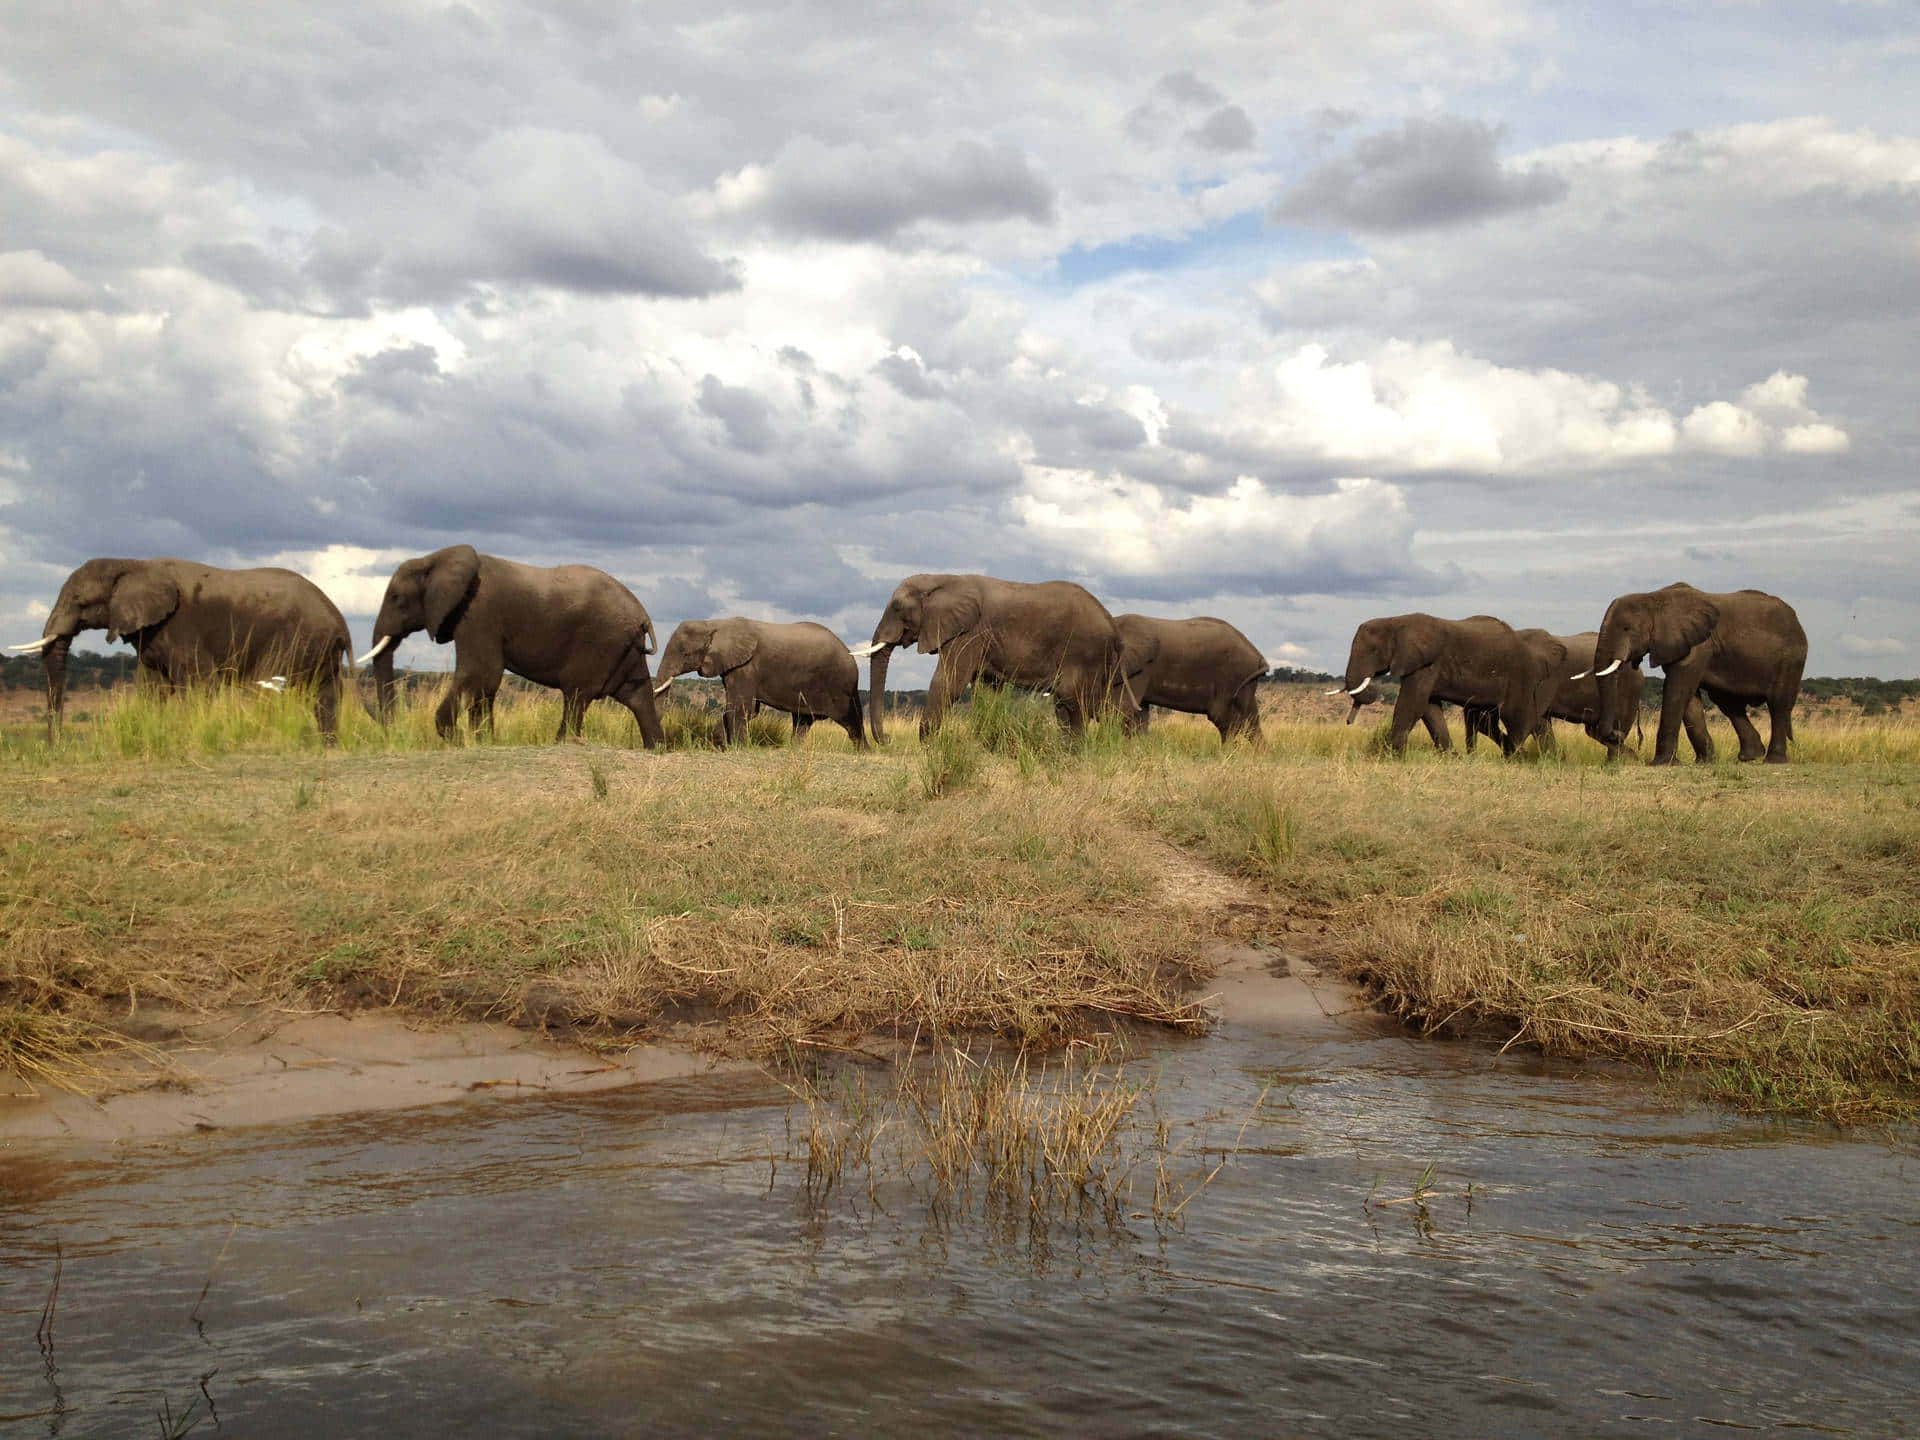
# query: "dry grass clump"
1755,926
1022,1144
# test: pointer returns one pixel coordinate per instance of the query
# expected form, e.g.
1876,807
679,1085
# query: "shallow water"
646,1261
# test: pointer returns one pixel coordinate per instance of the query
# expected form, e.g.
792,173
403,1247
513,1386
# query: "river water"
649,1261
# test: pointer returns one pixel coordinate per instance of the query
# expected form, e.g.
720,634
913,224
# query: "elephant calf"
802,669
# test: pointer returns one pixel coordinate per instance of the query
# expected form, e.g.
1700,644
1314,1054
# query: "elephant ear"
140,598
947,611
1548,655
1680,621
450,581
733,645
1139,646
1417,646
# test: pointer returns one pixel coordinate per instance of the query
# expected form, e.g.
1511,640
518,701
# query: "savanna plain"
1751,932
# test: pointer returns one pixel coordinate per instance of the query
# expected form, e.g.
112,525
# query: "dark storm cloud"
1427,174
853,193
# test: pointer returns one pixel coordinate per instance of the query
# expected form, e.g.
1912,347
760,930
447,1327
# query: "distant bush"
1863,690
84,669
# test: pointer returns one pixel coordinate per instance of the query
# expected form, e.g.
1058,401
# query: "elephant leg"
801,725
1070,711
573,715
326,707
1415,704
1134,721
1244,716
1475,721
1780,724
952,673
740,705
854,722
446,723
637,696
1677,699
1743,726
480,710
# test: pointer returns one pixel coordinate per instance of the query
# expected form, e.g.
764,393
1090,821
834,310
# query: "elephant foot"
1776,760
1671,760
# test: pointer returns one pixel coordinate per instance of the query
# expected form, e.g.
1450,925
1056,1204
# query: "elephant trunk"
55,659
1609,676
383,683
877,701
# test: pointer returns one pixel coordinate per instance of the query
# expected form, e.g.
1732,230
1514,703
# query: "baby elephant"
803,669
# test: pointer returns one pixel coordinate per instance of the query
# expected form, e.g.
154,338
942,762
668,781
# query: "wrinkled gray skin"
802,669
1202,666
189,623
1574,695
1739,649
1053,635
571,627
1476,661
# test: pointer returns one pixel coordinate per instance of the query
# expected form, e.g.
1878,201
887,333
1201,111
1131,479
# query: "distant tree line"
25,672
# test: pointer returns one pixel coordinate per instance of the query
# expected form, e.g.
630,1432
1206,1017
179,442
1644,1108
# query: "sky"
1293,314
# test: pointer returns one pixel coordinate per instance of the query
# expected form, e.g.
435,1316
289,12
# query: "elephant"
1476,661
1575,694
1050,635
803,669
571,627
189,622
1202,666
1743,648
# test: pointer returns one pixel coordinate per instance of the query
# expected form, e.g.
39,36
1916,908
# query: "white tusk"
1582,675
1361,686
864,650
33,645
385,641
663,687
1608,671
277,684
1336,691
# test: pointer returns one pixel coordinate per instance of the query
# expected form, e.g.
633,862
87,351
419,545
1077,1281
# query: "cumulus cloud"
29,279
1872,647
1772,414
858,192
1249,539
1427,407
1426,174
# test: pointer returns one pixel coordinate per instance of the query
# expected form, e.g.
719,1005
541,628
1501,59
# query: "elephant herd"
580,631
1741,650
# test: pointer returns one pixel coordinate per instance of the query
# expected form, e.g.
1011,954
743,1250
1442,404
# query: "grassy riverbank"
1755,927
